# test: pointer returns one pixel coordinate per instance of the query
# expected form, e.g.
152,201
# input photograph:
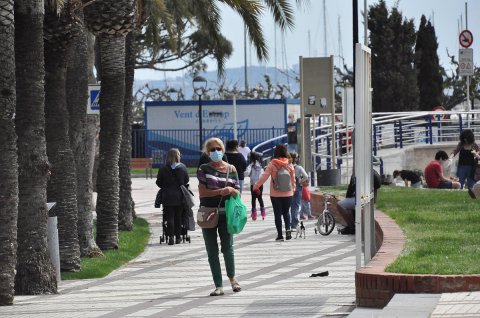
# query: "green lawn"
131,244
441,227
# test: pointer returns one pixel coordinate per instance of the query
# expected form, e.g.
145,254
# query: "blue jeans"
347,203
241,182
292,147
306,209
297,196
464,172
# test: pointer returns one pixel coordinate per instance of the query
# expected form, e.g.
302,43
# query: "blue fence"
156,143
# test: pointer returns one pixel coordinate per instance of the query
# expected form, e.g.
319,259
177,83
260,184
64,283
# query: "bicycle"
325,222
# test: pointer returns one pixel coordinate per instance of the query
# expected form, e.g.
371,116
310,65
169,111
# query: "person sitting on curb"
409,177
346,207
434,173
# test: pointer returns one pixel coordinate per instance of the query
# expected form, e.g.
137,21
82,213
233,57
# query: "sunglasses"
215,149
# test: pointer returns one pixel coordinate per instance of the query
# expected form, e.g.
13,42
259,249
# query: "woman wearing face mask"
170,177
214,189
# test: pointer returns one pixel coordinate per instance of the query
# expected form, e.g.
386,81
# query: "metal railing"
389,130
156,143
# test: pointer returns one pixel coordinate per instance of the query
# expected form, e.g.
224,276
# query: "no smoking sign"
465,38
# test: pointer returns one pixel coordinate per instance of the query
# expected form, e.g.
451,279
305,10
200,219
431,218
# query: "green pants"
211,244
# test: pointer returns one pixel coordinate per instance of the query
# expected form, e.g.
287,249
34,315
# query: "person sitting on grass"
409,177
434,173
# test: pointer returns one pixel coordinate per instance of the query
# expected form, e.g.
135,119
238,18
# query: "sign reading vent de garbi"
465,62
316,81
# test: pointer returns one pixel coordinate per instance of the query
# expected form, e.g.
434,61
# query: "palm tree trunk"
77,92
126,209
112,52
35,273
62,184
8,159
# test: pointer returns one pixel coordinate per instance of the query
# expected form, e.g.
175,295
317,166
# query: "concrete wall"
412,157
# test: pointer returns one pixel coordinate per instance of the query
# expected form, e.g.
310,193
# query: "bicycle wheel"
325,223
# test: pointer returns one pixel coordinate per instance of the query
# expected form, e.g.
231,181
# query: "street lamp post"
199,86
172,94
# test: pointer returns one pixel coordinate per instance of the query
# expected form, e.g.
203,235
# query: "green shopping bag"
236,213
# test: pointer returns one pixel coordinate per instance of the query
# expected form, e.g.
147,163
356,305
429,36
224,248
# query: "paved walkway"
174,281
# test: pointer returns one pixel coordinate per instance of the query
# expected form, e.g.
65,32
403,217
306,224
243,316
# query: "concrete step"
401,305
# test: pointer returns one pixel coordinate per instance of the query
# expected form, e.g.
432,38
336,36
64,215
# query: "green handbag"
236,213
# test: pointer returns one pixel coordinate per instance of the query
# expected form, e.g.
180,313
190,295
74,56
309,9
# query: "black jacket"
238,161
377,183
169,180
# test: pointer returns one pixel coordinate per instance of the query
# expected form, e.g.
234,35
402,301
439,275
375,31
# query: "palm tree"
59,34
35,273
8,159
126,210
126,204
110,21
81,140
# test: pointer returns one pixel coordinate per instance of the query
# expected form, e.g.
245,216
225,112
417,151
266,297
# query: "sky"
307,38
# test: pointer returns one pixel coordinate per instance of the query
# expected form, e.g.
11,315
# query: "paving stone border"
375,288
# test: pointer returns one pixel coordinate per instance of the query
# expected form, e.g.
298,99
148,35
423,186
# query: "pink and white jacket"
271,170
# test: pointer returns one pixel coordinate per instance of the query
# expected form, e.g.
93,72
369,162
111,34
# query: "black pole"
200,121
355,40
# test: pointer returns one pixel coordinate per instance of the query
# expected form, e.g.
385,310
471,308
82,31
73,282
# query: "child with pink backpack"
254,171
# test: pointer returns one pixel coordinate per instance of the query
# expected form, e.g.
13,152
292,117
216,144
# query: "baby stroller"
187,220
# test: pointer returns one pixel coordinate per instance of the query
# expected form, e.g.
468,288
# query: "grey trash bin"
330,177
52,239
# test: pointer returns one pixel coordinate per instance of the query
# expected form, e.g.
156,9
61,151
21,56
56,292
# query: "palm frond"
251,11
282,13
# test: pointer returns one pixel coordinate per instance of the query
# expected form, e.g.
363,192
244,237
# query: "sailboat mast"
340,46
245,55
324,28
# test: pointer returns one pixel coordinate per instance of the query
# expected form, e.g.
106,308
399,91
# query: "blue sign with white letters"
93,99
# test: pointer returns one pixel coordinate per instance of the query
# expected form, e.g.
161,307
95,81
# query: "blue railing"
389,130
156,143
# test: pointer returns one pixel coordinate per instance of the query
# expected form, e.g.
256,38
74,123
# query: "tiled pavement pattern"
174,281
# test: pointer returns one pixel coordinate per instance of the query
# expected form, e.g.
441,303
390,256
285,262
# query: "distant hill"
232,77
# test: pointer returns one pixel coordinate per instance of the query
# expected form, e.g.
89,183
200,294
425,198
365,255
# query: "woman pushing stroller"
169,179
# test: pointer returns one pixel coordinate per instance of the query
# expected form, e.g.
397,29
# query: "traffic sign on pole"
465,38
93,105
465,62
